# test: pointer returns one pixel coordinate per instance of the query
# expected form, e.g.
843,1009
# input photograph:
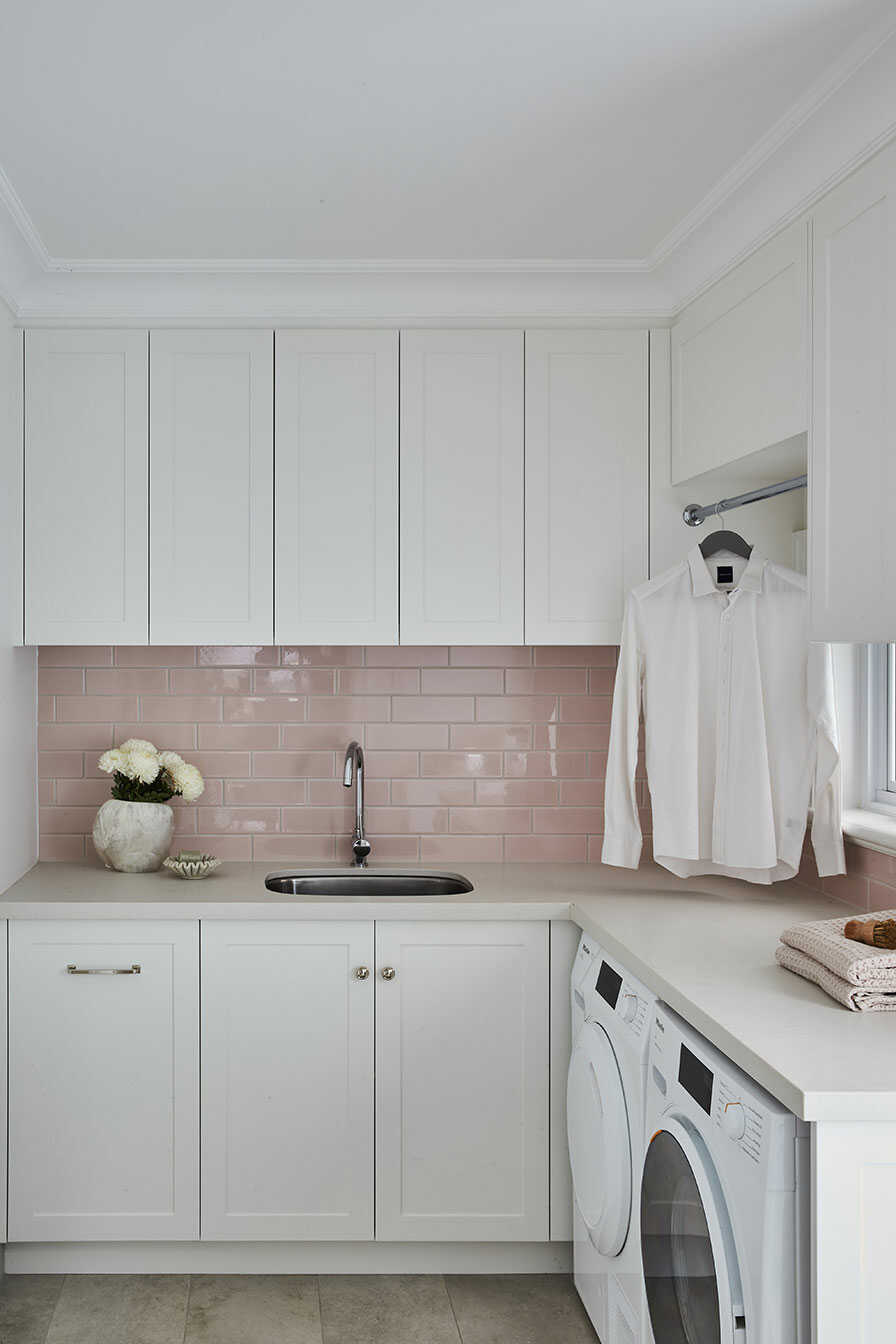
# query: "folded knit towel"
850,995
856,963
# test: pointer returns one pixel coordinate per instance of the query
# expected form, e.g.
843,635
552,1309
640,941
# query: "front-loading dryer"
612,1013
724,1190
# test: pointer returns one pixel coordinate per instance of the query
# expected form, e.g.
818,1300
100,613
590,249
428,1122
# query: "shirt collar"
701,579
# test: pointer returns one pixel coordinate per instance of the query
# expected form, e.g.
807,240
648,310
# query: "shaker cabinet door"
287,1081
103,1080
337,487
461,487
86,506
462,1062
852,465
211,487
586,482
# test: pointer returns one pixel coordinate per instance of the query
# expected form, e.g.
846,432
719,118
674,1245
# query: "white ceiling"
399,129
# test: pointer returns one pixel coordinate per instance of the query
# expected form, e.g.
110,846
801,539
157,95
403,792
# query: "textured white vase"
133,837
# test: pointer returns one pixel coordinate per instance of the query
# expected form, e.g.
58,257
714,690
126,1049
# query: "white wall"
18,666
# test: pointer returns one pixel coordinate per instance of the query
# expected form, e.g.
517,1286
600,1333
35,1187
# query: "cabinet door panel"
85,487
104,1081
740,360
852,476
287,1081
337,487
211,487
586,482
461,487
462,1082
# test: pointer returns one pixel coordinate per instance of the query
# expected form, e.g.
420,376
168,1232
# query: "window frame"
881,727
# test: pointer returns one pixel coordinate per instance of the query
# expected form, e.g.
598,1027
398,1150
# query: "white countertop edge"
447,909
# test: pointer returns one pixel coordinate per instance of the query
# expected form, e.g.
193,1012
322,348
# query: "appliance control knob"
629,1007
734,1120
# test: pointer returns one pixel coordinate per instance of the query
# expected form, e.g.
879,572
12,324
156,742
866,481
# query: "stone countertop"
705,946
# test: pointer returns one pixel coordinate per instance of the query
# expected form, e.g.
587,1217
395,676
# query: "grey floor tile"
518,1309
120,1309
27,1303
253,1309
386,1309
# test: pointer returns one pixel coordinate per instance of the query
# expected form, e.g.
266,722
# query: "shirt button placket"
723,732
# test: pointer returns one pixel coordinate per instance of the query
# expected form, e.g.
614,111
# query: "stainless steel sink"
366,882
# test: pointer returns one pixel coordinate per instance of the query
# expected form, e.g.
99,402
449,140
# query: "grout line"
187,1307
451,1305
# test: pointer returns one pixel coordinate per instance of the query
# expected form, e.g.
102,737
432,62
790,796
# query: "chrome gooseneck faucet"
354,769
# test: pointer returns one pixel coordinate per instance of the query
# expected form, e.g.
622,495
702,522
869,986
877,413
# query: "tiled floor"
291,1309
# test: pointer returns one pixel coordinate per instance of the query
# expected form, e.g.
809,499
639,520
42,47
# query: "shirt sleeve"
827,829
622,828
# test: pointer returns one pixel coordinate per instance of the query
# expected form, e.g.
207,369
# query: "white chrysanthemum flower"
110,761
170,760
144,765
139,744
189,782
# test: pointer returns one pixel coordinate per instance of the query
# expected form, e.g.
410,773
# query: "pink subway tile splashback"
473,754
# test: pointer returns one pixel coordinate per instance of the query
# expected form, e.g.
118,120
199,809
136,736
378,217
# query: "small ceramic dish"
192,865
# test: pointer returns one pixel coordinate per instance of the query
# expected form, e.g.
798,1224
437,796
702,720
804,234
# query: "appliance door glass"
599,1141
687,1277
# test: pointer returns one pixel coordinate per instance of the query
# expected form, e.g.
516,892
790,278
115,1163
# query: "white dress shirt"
740,725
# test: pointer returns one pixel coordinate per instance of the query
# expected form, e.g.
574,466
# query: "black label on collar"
724,573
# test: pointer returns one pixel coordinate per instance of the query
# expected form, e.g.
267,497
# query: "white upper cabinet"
104,1080
85,487
462,1062
852,479
211,487
461,487
586,482
740,360
337,487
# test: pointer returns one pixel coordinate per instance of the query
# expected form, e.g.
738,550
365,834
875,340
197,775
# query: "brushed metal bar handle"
103,970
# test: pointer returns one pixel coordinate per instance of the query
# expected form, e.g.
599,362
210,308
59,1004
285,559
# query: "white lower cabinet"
338,1058
462,1064
103,1080
287,1080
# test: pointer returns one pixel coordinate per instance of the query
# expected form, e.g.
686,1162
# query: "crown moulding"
837,124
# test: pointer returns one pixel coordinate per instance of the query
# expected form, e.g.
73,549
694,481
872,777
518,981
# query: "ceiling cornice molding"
815,97
348,266
695,254
23,222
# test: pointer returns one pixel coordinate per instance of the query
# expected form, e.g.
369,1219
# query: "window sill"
871,829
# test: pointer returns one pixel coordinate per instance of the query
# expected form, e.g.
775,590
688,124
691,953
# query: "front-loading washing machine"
724,1195
612,1014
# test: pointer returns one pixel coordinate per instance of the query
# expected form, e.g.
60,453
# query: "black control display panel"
695,1078
608,984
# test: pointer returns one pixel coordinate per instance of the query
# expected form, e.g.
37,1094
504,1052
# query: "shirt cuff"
830,858
620,853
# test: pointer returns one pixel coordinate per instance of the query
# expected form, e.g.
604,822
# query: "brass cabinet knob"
388,972
361,973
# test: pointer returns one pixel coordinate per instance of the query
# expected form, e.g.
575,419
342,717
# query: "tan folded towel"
856,963
851,996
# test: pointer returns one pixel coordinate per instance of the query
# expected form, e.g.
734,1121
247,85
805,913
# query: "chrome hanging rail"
695,514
